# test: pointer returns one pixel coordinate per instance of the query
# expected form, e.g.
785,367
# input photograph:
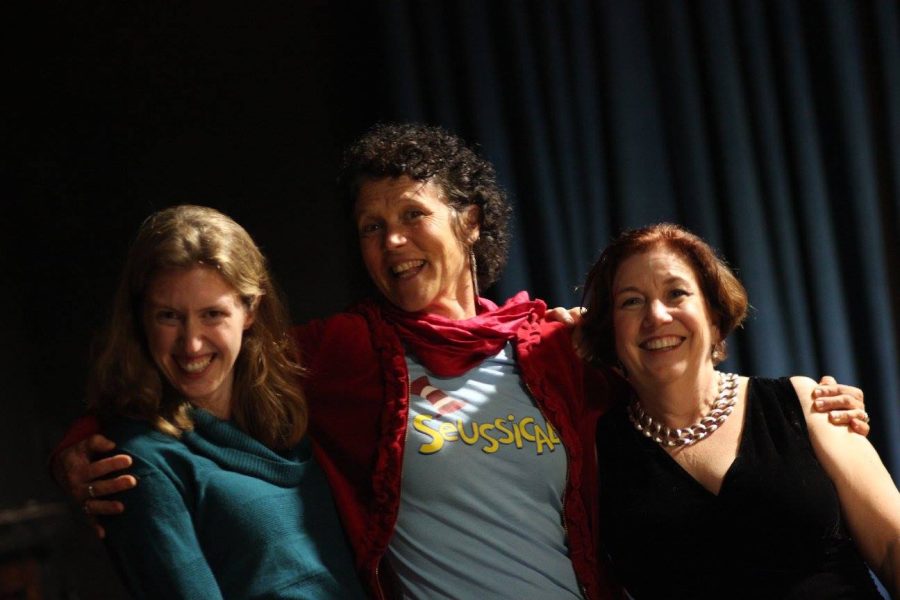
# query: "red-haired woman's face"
662,323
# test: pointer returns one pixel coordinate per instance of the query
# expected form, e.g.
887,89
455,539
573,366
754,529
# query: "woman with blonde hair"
197,382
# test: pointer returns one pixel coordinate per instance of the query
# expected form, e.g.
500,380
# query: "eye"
413,213
679,293
369,228
630,301
215,314
167,317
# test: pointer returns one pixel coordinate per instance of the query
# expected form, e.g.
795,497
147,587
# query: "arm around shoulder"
869,499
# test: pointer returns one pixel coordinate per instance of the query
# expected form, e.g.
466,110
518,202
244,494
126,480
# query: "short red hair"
724,293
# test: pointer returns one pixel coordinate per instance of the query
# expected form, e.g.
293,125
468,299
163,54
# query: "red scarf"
450,348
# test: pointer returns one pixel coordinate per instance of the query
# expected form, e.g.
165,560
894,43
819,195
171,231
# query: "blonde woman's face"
195,323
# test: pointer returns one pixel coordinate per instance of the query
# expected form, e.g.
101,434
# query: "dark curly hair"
722,290
428,153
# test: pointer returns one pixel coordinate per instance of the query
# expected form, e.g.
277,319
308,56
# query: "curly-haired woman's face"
409,243
195,323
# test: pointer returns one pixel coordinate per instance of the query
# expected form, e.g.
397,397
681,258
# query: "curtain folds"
772,129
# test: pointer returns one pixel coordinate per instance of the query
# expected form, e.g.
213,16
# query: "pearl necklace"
685,436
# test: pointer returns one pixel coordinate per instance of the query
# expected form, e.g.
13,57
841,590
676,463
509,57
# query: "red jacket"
358,389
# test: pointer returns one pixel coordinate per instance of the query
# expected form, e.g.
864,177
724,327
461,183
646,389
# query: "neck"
681,402
456,306
219,403
455,311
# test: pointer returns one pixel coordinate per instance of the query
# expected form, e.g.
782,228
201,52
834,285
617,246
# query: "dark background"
772,129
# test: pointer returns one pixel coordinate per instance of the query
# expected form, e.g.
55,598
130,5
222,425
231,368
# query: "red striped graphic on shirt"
442,403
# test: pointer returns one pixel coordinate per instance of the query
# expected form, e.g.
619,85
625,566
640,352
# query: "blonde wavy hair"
267,401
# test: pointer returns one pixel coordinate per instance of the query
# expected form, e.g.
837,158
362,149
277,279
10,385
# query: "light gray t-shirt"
483,480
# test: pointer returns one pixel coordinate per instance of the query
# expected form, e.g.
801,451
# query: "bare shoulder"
804,387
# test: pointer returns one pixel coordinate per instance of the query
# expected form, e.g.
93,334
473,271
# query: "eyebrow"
407,198
668,281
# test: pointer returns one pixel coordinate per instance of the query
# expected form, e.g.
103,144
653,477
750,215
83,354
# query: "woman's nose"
395,237
191,337
657,313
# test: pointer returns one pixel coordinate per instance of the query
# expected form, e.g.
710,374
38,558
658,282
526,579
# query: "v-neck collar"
742,449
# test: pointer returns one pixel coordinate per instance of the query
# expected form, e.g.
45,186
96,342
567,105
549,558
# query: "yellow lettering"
508,432
436,442
470,440
541,439
525,433
492,443
448,431
517,428
501,426
553,437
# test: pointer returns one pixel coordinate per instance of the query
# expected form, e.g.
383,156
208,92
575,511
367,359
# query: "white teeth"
406,266
660,343
197,365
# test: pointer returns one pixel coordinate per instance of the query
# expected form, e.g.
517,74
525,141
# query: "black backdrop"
772,129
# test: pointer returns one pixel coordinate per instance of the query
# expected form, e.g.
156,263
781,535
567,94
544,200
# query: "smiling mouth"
662,343
407,269
196,365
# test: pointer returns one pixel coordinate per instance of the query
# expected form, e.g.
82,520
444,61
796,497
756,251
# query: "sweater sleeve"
154,545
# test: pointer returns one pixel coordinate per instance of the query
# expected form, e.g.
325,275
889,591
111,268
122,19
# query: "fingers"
99,530
831,395
98,444
860,427
844,417
827,380
567,316
106,466
828,399
560,315
75,471
104,487
71,466
93,508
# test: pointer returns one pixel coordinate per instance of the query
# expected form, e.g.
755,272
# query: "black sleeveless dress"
774,531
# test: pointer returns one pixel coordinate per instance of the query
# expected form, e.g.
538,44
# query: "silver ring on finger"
91,492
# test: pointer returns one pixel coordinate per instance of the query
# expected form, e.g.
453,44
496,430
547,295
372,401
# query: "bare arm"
869,499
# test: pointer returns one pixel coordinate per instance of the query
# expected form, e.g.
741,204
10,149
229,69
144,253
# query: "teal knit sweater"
216,514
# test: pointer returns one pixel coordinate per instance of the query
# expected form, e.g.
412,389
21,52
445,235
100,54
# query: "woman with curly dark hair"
457,435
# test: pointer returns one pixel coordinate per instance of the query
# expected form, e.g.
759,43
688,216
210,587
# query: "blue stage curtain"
772,129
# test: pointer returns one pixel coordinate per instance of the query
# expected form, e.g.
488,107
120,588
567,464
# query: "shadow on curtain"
770,129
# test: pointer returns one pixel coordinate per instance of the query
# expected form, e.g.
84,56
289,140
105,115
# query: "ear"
250,313
471,220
